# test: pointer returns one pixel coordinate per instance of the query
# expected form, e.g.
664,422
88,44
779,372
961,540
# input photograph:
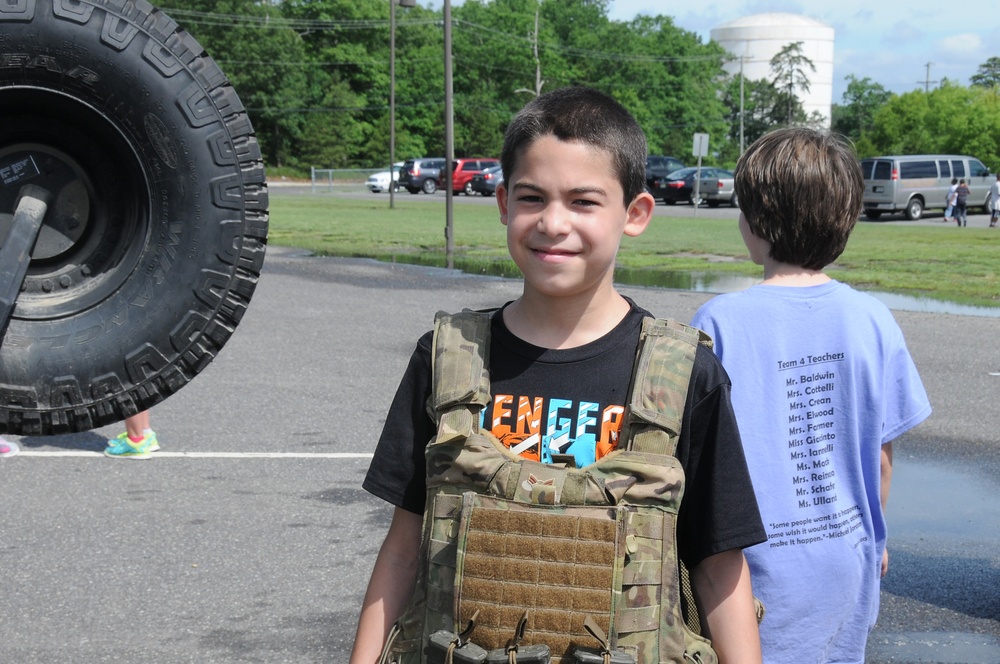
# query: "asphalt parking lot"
249,539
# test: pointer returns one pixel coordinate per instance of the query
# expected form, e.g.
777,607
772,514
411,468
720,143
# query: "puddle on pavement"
931,501
932,306
709,282
941,513
713,282
934,648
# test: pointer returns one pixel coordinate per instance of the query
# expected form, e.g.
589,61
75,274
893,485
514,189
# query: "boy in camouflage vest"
560,361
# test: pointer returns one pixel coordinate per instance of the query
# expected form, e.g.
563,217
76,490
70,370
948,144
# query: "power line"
271,22
268,22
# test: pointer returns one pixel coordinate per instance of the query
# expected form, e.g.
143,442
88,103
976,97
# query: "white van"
914,183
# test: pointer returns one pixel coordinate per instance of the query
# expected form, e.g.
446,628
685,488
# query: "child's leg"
137,424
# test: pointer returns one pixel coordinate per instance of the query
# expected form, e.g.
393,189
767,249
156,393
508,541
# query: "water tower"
758,38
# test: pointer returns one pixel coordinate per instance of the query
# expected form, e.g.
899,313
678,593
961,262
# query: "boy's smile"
565,215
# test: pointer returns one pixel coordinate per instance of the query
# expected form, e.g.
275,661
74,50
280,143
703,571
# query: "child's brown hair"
581,114
801,189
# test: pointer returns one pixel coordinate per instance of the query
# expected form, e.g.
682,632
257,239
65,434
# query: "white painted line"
995,373
207,455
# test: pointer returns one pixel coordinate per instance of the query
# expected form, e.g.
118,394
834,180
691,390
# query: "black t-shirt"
576,396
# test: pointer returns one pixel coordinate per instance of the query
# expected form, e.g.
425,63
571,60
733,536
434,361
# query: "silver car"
718,188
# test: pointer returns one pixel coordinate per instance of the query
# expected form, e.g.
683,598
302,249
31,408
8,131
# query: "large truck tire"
156,228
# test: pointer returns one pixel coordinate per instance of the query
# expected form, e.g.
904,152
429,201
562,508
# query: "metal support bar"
15,253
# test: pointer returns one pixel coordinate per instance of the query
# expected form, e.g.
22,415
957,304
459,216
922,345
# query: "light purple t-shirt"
821,380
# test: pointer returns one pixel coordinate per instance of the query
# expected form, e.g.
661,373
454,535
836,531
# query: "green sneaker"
154,444
126,449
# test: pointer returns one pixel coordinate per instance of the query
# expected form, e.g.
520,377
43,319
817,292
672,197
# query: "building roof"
772,19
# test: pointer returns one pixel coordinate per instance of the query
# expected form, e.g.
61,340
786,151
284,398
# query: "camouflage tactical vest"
519,552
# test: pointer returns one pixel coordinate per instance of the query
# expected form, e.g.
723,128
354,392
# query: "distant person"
961,199
7,448
136,442
822,384
950,200
995,203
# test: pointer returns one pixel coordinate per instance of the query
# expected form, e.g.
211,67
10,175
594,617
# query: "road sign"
700,148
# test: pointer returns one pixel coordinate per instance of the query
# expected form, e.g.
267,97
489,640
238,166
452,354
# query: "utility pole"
742,60
392,101
927,79
449,142
392,92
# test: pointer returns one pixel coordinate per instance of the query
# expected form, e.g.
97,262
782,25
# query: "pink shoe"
8,449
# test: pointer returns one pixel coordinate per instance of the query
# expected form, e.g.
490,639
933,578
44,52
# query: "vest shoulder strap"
660,378
460,381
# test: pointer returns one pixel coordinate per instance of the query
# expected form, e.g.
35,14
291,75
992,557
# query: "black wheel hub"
98,218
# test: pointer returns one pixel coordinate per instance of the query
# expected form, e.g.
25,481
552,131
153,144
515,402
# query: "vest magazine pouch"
555,562
595,656
534,654
443,641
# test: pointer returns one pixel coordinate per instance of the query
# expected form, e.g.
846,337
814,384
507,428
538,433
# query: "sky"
887,41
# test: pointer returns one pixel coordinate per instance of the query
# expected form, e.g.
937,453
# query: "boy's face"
564,215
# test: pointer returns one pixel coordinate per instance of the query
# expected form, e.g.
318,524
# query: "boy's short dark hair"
801,189
581,114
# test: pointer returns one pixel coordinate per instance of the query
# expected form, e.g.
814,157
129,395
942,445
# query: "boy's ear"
501,194
638,214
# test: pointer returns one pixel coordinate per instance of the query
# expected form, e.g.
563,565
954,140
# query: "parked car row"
715,186
428,174
666,178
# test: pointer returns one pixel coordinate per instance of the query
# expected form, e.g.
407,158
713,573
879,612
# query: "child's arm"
885,472
390,586
721,585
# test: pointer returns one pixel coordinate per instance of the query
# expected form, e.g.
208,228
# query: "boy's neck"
785,274
558,323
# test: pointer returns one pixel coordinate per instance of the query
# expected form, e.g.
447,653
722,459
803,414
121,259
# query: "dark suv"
657,168
423,174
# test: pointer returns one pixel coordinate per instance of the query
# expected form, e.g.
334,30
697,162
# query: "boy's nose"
554,220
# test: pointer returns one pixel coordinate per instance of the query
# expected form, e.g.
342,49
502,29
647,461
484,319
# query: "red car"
462,171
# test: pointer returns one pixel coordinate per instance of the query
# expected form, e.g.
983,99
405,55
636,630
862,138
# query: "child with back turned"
822,384
574,167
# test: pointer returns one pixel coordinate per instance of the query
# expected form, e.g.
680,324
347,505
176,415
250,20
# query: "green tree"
788,67
498,55
666,76
764,108
348,48
314,74
496,44
988,74
862,99
951,119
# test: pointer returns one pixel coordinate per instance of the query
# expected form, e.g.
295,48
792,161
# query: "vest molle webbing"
516,551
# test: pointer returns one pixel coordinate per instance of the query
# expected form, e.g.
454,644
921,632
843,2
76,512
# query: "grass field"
941,262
